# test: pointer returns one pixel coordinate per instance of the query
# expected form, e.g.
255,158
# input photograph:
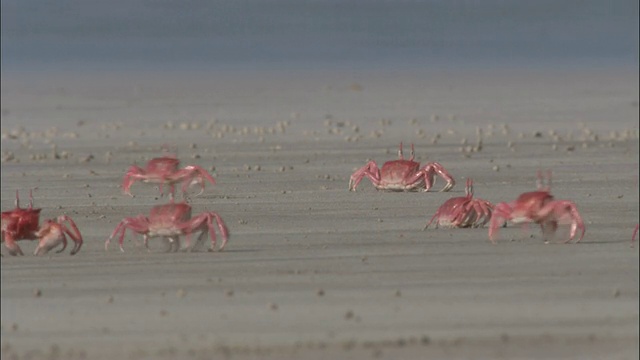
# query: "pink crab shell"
402,175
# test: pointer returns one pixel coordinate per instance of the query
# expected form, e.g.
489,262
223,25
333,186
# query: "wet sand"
312,270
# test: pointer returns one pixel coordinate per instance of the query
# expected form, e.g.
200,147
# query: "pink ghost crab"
538,207
402,175
463,211
164,170
170,221
24,224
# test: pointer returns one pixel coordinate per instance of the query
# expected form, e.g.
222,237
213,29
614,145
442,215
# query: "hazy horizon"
280,33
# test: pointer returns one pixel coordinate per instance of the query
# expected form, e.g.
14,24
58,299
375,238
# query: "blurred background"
119,34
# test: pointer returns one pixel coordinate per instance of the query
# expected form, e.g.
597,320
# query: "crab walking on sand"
172,221
541,208
402,175
24,224
463,211
165,170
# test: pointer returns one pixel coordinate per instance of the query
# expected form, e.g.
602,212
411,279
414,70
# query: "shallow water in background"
283,33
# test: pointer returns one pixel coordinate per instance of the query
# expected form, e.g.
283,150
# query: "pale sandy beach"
313,271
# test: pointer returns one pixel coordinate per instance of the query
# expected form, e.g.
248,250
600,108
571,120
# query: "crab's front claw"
44,247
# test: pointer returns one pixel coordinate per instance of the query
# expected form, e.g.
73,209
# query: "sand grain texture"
314,271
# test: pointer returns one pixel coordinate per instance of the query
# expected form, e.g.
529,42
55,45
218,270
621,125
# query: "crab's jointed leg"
139,224
428,172
370,170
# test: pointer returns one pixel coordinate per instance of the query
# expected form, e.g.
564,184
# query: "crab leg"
74,233
481,212
138,224
429,172
174,243
459,213
207,218
224,231
440,170
486,209
564,207
501,213
468,189
12,246
370,170
145,239
130,178
436,215
466,215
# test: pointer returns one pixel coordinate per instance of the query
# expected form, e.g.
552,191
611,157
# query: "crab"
463,211
541,208
24,224
165,170
402,175
170,221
